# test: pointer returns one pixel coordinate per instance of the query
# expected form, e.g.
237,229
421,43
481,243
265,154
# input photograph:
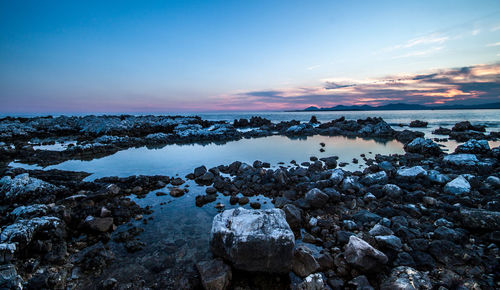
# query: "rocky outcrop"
253,240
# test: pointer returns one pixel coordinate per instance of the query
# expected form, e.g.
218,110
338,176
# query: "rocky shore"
422,220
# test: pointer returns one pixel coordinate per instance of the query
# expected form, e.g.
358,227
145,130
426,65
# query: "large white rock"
253,240
412,171
459,185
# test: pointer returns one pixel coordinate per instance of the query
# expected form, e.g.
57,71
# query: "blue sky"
126,56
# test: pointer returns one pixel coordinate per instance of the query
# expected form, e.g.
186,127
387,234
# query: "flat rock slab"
253,240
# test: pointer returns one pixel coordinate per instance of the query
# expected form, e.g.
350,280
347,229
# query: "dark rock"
363,256
215,274
303,262
406,278
316,198
418,124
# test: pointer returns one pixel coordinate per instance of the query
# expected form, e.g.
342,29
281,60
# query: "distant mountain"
402,106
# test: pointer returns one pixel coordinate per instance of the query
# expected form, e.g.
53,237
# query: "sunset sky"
195,56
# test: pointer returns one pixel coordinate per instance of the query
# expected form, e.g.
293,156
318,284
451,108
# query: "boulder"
423,146
23,187
460,159
473,146
330,162
303,262
406,278
316,198
412,172
214,274
459,185
253,240
362,255
375,178
418,124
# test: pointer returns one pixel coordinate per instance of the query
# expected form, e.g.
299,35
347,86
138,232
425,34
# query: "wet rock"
199,171
243,200
330,162
392,190
407,136
410,172
363,256
418,124
7,251
473,146
99,224
176,191
316,198
253,240
360,283
255,205
133,246
480,219
23,231
375,178
423,146
380,230
177,181
406,278
437,177
337,176
466,125
204,199
303,262
457,186
461,159
205,179
24,188
214,274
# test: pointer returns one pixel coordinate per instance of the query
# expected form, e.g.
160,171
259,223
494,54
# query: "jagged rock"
375,178
362,255
23,187
28,211
316,198
293,216
312,282
22,231
303,262
414,171
459,185
406,278
215,274
423,146
473,146
253,240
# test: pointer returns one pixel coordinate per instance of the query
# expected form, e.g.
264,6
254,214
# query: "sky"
196,56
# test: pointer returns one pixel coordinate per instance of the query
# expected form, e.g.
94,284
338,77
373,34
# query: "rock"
473,146
457,186
363,256
364,216
176,191
330,162
390,242
9,279
23,231
418,124
437,177
23,187
316,198
199,171
480,219
423,146
386,165
99,224
351,182
461,159
293,216
493,181
7,251
392,190
407,136
303,262
176,182
29,211
380,230
406,278
255,205
466,125
337,176
360,283
253,240
214,274
414,171
109,283
312,282
375,178
205,179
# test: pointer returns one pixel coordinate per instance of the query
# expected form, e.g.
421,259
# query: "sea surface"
178,225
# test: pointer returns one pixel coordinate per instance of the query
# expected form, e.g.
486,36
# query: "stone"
293,216
9,279
480,219
380,230
312,282
337,176
303,262
364,216
457,186
437,177
406,278
176,191
199,171
214,274
253,240
362,255
23,187
423,146
418,124
460,159
99,224
7,251
375,178
392,190
330,162
316,198
414,171
29,211
390,242
360,283
473,146
23,231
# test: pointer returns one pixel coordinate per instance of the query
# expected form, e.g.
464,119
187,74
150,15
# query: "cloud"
465,85
314,67
420,52
493,44
433,38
